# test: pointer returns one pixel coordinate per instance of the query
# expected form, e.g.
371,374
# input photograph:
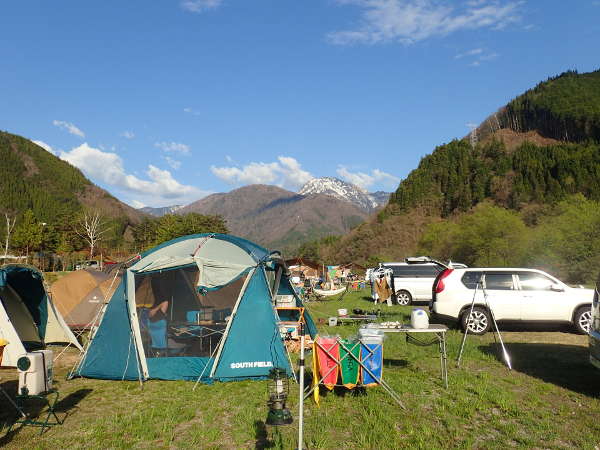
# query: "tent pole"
277,282
301,392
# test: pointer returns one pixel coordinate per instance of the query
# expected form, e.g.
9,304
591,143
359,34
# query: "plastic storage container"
419,319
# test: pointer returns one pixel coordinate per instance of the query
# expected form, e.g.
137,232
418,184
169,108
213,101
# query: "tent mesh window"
178,321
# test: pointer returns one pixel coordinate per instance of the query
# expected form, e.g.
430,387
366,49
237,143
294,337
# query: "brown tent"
79,296
306,267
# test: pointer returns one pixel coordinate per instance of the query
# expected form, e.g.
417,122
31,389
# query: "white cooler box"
35,372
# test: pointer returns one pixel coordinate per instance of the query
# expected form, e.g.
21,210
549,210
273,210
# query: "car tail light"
439,285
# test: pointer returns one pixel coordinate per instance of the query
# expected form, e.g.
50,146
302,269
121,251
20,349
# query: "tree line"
89,234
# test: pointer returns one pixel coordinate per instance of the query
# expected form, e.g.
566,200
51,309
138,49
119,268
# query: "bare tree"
91,228
10,224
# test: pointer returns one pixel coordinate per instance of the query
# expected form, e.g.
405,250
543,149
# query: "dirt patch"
513,139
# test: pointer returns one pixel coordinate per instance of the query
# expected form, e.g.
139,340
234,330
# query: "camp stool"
51,405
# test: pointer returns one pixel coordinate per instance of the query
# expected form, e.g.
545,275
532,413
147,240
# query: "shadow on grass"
262,432
33,408
564,365
262,436
395,363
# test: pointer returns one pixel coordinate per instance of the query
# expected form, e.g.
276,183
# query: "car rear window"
470,279
416,271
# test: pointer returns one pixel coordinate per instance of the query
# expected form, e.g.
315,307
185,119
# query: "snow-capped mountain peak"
158,212
341,190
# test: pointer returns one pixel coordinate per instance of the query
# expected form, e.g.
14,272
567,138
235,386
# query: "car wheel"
479,322
583,320
403,298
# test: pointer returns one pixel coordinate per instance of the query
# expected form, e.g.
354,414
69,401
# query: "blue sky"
164,101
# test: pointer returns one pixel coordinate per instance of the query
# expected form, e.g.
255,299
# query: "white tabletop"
433,328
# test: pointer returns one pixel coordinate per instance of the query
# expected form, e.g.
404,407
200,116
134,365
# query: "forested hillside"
566,107
34,179
46,204
533,175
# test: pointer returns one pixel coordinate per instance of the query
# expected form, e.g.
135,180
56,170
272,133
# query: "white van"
414,282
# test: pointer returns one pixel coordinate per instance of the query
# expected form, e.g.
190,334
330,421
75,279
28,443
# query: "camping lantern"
278,389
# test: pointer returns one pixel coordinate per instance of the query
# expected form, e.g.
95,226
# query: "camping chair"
160,343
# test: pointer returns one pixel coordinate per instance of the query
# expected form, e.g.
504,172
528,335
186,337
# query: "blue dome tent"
197,307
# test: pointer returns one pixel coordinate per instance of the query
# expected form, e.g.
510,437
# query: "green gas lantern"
278,389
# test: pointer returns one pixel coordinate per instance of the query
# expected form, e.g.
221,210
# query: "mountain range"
57,192
275,217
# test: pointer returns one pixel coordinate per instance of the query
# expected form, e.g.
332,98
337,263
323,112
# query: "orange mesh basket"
3,344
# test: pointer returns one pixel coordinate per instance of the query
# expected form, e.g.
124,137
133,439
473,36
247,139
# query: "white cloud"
173,163
198,6
174,147
45,146
365,180
292,172
107,167
477,56
137,204
475,51
410,21
286,172
69,127
191,111
127,134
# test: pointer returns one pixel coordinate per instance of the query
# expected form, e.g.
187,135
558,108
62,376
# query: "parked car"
514,295
89,264
412,282
595,327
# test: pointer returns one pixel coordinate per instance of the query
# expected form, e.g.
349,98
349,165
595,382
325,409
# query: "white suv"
514,295
595,328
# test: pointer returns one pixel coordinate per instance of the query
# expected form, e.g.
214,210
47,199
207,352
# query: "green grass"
550,400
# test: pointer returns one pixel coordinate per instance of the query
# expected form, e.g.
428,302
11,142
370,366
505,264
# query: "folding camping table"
439,331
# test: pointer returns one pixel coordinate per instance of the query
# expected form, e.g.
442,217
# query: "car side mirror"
557,288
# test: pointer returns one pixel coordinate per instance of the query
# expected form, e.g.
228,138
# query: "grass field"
550,400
